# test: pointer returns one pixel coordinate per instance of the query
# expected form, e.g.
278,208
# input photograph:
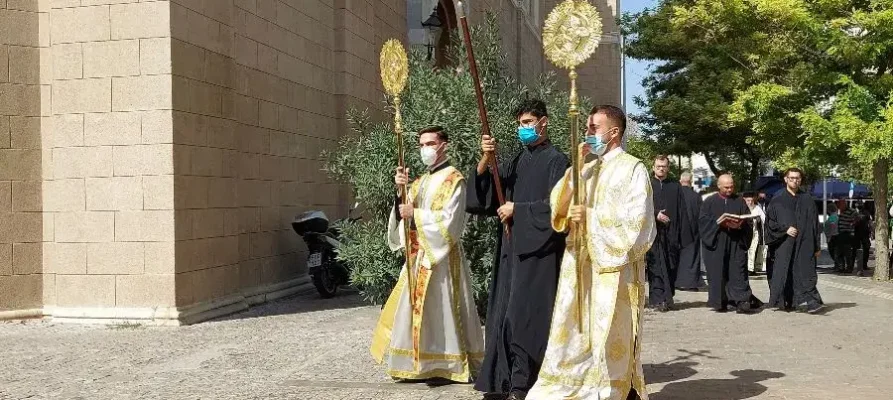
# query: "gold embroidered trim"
435,356
437,373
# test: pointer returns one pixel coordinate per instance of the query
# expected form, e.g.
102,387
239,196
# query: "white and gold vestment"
600,359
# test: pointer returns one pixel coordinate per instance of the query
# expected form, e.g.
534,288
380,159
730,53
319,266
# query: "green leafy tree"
690,93
366,159
819,84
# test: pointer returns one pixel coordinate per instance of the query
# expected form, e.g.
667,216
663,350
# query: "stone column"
21,219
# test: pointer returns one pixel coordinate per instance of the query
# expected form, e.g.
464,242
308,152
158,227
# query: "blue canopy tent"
838,189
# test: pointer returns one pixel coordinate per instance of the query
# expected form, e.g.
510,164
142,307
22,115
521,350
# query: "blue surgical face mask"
596,145
527,134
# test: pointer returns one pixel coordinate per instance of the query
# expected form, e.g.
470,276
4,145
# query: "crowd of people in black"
729,237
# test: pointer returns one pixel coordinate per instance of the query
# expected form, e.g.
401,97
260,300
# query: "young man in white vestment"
436,337
594,341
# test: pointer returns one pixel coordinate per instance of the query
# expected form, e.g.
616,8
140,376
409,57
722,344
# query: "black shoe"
516,396
495,396
438,382
406,380
662,307
744,308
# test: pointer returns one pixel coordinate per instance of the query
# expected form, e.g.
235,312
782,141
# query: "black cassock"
689,274
525,274
663,257
725,252
793,280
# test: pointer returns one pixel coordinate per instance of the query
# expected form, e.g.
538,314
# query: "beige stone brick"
144,226
82,96
208,223
160,257
151,159
64,195
18,164
5,139
20,291
5,259
85,227
64,3
157,127
20,227
26,196
68,61
141,20
112,129
155,56
46,100
5,197
23,5
27,258
68,130
82,162
117,258
142,93
80,24
4,63
245,51
85,290
101,2
24,132
145,290
65,258
19,99
22,28
158,192
114,58
24,64
114,194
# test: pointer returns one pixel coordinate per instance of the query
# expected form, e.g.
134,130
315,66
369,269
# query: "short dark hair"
441,133
793,169
662,157
614,113
748,195
535,107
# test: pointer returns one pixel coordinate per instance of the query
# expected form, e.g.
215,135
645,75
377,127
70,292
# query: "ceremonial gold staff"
570,36
394,71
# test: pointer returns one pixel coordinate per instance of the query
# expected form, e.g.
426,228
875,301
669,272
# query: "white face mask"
429,155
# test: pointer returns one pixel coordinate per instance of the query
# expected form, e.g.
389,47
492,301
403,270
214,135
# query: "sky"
635,70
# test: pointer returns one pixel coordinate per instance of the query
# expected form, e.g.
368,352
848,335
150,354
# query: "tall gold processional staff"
570,36
593,349
394,71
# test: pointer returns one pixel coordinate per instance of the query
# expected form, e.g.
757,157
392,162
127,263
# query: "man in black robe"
688,277
663,258
792,228
525,272
725,249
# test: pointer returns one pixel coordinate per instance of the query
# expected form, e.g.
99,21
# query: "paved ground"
308,348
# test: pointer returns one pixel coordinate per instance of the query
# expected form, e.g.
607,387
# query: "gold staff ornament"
570,36
394,71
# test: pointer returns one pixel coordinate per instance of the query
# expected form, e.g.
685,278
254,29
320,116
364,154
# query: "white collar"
613,154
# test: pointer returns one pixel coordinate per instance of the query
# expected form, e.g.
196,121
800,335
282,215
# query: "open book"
733,217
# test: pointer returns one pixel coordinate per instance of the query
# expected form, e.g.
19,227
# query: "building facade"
153,153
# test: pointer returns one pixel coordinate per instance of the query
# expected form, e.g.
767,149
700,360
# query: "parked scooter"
322,239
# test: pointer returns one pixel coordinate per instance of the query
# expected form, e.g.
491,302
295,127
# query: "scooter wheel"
325,283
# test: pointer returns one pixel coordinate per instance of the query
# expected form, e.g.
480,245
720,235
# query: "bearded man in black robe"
792,228
725,249
525,272
688,277
663,259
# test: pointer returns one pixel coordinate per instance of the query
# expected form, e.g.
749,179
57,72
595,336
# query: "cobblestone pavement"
309,348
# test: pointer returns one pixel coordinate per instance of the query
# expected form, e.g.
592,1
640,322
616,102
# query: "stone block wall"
108,185
260,89
22,44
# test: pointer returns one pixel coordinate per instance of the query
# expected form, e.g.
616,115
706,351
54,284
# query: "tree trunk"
711,163
880,174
